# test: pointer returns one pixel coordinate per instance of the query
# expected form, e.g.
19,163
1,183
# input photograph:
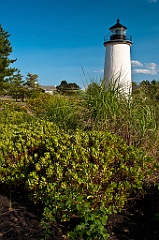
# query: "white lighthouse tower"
117,68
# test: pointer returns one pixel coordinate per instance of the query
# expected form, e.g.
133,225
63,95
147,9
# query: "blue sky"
63,39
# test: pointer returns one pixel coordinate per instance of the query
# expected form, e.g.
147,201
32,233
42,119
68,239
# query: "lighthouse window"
118,31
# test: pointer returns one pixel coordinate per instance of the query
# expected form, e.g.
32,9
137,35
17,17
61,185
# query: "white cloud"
151,66
146,68
136,63
152,1
145,71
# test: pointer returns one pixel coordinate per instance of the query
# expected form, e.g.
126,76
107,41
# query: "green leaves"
85,174
5,51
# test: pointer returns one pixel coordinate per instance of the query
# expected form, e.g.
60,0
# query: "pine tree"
32,81
16,86
31,85
5,50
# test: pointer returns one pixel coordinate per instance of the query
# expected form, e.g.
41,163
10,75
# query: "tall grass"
62,110
104,108
133,118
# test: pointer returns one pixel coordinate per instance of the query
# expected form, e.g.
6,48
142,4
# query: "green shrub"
104,108
13,113
86,174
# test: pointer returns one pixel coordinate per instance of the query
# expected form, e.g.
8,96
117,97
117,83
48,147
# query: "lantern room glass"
118,31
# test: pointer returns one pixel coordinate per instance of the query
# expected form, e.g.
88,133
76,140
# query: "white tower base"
117,68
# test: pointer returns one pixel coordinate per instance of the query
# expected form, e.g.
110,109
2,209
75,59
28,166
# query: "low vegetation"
81,156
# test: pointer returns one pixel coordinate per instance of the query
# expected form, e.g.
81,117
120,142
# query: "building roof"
48,88
118,25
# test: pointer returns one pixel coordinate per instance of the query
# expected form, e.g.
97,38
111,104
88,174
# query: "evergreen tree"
31,81
16,87
31,85
5,50
67,88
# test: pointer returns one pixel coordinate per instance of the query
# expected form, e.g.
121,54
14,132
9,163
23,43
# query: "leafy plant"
86,174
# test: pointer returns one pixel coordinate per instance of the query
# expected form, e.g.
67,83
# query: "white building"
49,89
117,69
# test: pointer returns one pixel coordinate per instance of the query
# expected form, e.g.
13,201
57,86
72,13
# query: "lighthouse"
117,69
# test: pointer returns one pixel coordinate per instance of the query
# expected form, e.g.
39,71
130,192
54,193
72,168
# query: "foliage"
104,109
62,110
67,88
16,86
86,174
32,88
23,88
13,113
31,81
5,50
134,119
150,89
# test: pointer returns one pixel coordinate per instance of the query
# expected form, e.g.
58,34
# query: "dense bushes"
13,113
77,155
103,109
86,174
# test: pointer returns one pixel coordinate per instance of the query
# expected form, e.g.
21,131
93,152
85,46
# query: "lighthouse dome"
117,25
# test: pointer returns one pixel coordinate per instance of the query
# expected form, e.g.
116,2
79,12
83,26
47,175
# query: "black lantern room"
118,33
